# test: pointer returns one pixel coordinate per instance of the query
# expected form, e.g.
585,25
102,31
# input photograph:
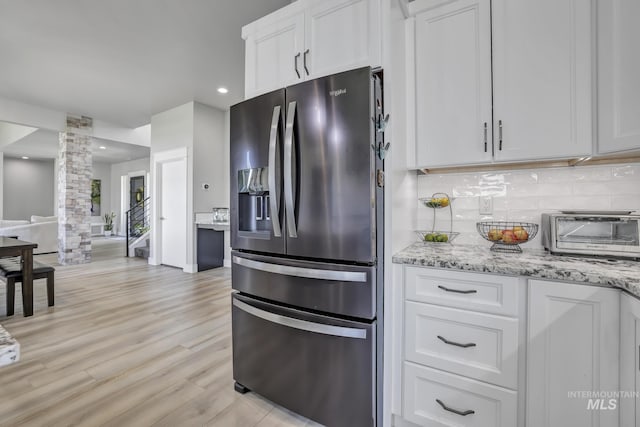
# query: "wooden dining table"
14,247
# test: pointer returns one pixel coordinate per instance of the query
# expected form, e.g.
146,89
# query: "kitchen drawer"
474,291
484,405
476,345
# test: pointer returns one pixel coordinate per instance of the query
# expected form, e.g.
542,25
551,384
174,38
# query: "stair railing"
138,220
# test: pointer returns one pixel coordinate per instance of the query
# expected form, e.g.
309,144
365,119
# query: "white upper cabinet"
542,79
618,75
309,39
272,54
529,60
453,84
572,346
341,35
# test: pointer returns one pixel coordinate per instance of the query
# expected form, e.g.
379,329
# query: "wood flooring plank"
77,409
128,344
20,406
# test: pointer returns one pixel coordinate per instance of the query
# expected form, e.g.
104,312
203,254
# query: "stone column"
74,191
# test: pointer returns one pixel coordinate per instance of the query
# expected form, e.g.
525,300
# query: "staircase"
138,227
142,251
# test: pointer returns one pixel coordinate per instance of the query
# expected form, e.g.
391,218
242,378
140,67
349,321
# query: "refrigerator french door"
305,215
303,170
256,211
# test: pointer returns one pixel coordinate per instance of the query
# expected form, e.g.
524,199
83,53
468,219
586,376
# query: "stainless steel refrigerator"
306,234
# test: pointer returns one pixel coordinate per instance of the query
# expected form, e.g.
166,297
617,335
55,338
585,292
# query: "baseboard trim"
227,263
190,268
152,261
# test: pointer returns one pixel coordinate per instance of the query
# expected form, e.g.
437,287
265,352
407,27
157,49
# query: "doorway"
138,209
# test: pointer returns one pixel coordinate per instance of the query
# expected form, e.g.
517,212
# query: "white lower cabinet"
573,339
629,361
436,398
495,351
462,338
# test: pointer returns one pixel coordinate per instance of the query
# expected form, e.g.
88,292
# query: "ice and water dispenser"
254,214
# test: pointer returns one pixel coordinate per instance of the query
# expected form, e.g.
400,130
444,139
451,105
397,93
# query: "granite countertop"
624,274
206,220
9,348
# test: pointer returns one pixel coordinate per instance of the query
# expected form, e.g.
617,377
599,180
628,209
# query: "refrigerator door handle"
274,197
288,171
309,273
304,325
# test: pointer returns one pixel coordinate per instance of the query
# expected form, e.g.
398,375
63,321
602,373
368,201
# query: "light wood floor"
128,344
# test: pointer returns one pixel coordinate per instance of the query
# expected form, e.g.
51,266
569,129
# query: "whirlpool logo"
338,92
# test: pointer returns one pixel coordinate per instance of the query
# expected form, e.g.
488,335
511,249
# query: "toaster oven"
599,234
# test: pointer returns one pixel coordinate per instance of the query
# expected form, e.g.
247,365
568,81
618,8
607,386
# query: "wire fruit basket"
436,236
437,201
507,236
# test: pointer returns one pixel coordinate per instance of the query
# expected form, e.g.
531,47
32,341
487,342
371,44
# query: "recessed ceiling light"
25,158
102,147
223,90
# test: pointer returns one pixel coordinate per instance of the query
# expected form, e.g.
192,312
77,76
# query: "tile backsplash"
522,195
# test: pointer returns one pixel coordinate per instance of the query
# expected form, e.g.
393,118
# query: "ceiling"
43,144
122,61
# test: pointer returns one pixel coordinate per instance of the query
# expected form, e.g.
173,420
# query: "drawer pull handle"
457,291
455,411
457,344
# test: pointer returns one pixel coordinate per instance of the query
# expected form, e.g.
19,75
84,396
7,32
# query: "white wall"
172,129
28,188
203,131
10,133
102,171
118,170
400,195
523,195
210,164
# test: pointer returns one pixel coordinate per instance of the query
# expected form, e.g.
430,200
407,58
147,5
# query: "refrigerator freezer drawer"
318,366
329,288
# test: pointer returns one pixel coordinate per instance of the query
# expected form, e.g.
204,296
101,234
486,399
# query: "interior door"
173,213
329,168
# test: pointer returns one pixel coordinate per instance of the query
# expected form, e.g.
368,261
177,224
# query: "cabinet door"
618,71
341,35
572,347
629,359
453,84
270,55
542,79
